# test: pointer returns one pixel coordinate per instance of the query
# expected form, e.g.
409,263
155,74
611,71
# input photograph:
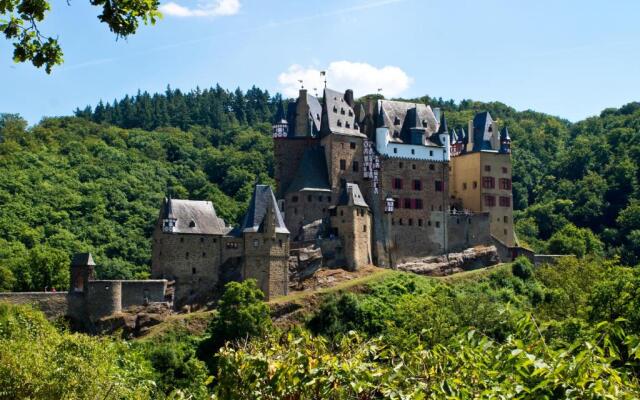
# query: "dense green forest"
94,182
570,331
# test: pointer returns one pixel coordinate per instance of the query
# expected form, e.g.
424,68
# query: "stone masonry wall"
302,208
266,260
52,304
135,293
341,147
192,261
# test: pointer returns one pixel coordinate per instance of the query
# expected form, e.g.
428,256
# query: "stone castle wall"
52,304
139,292
266,261
103,298
192,261
341,147
302,208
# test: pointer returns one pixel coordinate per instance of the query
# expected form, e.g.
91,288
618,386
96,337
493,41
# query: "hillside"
94,182
569,331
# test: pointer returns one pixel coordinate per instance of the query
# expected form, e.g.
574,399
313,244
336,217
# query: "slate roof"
262,199
312,172
350,195
504,134
194,216
442,129
481,134
338,117
315,111
82,259
392,114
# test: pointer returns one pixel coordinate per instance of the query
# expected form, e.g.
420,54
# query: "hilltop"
94,182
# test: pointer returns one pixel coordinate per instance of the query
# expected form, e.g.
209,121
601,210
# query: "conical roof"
262,199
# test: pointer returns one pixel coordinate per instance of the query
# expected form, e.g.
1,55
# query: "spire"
443,124
169,209
504,134
325,129
453,136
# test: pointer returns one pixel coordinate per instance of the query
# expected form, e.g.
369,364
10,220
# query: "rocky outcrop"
469,259
134,321
303,264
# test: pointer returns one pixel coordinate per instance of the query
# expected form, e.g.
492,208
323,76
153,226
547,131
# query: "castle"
381,182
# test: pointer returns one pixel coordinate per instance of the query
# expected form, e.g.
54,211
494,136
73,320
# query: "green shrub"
522,268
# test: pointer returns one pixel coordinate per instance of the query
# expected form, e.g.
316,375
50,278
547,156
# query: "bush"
522,268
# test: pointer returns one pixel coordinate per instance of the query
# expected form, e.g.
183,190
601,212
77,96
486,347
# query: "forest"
94,182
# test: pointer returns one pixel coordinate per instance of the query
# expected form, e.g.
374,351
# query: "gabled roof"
315,111
392,114
481,134
339,117
262,200
193,216
82,260
350,195
312,172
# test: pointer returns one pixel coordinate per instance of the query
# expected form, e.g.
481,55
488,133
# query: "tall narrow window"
488,182
396,183
407,203
355,166
417,184
439,186
343,165
352,145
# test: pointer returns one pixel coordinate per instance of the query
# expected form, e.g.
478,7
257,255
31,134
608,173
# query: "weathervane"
301,84
324,73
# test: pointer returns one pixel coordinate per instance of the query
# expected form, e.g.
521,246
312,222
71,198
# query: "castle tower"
266,244
351,222
82,271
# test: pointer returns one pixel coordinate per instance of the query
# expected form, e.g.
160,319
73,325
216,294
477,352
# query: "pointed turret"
169,219
417,129
505,141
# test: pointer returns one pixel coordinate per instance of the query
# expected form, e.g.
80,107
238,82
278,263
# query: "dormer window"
335,109
424,123
342,111
396,121
192,224
339,123
350,113
347,124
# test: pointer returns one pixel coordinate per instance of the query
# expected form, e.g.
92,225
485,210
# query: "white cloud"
215,8
363,78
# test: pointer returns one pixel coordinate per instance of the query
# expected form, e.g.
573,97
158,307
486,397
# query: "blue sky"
570,58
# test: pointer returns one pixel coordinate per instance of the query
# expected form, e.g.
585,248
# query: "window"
410,221
193,271
505,219
419,221
400,222
400,165
413,151
319,198
429,223
396,183
430,153
201,240
343,165
192,224
407,203
396,202
475,184
294,199
256,243
181,240
204,254
352,145
487,168
488,182
393,221
489,201
395,149
418,203
186,255
417,184
464,186
505,201
364,228
329,199
505,183
437,224
413,166
214,240
504,170
355,166
309,198
280,242
431,167
439,186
